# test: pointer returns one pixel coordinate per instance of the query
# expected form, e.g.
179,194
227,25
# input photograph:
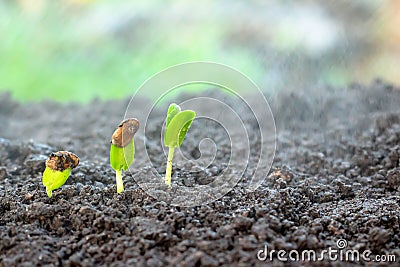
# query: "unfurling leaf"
177,128
177,125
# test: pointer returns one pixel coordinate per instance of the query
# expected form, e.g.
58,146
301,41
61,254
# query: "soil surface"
336,175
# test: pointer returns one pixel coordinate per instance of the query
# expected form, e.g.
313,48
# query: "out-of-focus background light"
76,50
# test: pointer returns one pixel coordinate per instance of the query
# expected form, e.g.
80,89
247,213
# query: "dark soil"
336,175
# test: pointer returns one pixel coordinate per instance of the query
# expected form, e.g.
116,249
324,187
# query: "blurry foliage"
84,49
75,50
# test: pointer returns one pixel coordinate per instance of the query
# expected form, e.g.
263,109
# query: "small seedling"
122,151
58,168
176,126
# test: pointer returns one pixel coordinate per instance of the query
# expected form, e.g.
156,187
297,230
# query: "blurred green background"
77,50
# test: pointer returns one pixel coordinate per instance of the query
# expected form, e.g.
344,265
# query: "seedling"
176,126
122,151
58,168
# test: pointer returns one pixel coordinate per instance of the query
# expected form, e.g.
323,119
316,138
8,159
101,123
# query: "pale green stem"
120,183
169,166
49,192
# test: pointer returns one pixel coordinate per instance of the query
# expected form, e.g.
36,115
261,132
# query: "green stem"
169,166
49,192
120,183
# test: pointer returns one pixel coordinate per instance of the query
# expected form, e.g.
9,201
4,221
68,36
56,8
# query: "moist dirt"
336,175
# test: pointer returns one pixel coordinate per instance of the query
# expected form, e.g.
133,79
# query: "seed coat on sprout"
122,150
58,168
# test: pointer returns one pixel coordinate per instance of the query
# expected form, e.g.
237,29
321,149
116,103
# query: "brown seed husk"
62,160
123,135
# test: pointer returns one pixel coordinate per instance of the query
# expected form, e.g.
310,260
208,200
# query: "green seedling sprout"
177,124
58,168
122,151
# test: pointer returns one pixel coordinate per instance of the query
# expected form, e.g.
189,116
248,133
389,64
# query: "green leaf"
53,179
173,109
122,158
177,128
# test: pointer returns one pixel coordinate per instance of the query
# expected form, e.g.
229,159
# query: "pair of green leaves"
122,158
176,126
53,179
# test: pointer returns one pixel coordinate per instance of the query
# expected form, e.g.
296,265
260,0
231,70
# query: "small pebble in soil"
3,173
